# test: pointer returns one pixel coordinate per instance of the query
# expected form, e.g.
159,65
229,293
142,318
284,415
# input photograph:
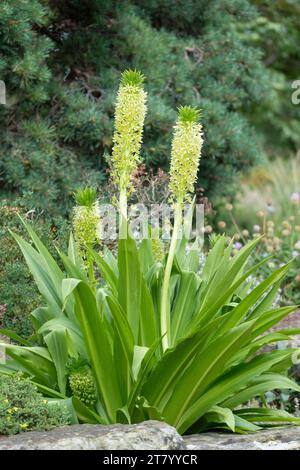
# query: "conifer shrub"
61,81
23,408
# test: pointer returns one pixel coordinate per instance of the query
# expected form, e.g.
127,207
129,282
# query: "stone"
150,435
287,438
291,321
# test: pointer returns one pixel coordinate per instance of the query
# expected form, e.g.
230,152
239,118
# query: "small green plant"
160,337
23,408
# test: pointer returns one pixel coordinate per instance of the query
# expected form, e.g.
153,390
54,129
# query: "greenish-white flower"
185,155
86,220
129,121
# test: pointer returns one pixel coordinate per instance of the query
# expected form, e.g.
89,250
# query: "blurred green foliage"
276,31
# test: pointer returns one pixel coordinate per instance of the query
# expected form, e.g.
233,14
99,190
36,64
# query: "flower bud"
295,198
237,245
228,207
286,224
208,229
297,245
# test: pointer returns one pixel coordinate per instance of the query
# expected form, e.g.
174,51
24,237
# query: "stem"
123,214
90,265
165,307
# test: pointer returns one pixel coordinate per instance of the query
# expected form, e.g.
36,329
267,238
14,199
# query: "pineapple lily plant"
127,337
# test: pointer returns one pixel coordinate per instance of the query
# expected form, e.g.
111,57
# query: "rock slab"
150,435
287,438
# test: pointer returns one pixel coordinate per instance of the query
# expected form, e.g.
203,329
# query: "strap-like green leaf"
106,272
99,347
229,384
204,369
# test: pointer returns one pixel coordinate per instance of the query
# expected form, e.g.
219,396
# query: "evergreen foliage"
276,30
61,62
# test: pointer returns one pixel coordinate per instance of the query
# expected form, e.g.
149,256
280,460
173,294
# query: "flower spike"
185,155
129,120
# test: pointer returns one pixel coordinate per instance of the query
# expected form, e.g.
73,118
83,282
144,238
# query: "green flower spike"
157,245
86,224
185,158
185,155
82,382
129,121
86,219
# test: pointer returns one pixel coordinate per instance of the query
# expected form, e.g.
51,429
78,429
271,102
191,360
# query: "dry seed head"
222,224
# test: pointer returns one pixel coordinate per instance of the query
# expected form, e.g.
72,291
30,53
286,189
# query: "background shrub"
61,62
22,408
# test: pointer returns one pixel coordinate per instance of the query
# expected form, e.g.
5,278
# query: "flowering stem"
123,213
165,306
90,266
